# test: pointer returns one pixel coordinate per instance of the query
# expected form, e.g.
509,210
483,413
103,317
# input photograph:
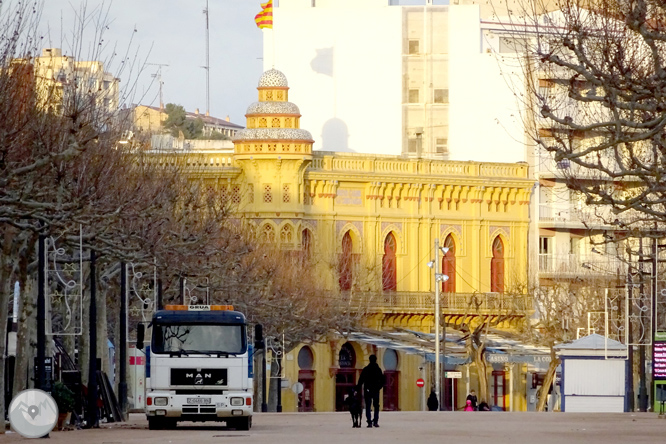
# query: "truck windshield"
198,338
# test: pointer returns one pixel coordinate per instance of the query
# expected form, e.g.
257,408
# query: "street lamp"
439,277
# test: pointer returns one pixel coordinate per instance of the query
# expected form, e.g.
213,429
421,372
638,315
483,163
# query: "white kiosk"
594,375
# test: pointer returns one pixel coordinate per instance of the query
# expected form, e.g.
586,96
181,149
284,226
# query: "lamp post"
439,277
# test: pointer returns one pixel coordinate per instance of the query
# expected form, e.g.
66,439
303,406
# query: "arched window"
306,243
449,265
345,265
305,358
497,266
268,234
286,236
389,281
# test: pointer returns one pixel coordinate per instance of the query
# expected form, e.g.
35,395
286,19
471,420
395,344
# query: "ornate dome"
273,108
273,78
272,134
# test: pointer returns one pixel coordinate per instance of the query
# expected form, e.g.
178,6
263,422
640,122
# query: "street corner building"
367,211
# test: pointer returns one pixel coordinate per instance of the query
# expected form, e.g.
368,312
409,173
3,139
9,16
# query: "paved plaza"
396,427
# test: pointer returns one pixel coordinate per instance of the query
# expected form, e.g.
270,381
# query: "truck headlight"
237,401
161,401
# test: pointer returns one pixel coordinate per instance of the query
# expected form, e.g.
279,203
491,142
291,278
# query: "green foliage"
177,122
63,397
216,135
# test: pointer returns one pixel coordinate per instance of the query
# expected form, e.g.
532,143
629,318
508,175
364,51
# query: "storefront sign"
500,358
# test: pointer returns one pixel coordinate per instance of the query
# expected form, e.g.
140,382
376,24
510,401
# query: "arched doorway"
392,377
345,378
497,266
389,270
306,376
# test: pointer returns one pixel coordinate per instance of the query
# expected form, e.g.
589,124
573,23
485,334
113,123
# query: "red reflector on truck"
149,401
248,401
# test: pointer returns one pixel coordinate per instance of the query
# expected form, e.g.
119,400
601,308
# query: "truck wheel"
243,423
155,424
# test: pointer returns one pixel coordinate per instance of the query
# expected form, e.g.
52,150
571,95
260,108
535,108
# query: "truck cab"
199,367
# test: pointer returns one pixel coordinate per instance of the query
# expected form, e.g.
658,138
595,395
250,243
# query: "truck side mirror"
140,333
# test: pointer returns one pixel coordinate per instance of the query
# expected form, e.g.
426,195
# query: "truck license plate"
198,400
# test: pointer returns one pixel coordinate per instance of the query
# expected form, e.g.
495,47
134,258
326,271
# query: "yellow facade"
300,198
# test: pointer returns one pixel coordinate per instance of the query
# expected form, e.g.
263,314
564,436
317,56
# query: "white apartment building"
60,77
376,76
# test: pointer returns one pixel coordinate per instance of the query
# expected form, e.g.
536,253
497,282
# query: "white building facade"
384,78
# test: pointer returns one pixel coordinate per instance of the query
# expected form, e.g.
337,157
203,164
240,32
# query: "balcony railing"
576,265
424,303
569,213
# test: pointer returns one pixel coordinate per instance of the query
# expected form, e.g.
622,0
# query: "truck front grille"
199,409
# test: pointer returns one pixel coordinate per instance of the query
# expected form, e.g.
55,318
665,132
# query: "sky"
172,32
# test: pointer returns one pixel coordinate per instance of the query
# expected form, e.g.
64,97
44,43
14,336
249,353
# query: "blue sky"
173,32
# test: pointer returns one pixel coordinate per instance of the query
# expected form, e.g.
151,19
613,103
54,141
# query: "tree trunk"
548,381
273,384
25,345
6,289
257,381
482,370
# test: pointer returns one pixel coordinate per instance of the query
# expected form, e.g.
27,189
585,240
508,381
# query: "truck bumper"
198,407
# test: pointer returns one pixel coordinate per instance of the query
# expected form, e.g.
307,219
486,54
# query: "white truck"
198,367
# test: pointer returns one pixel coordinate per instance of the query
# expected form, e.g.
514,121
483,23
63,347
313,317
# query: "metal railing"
575,264
424,302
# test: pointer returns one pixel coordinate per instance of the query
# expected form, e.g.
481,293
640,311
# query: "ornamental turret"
273,151
273,123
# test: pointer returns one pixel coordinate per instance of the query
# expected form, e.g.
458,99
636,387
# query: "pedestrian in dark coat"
372,381
433,404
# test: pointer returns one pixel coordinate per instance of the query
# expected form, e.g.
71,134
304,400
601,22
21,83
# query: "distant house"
151,118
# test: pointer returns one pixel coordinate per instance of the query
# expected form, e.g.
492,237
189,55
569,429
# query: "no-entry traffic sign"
420,382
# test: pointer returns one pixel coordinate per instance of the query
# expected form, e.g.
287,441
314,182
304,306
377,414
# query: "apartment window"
512,45
574,245
546,245
413,96
563,164
441,146
106,84
441,96
413,47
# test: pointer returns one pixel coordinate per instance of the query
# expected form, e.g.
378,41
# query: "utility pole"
122,342
91,414
207,67
158,76
438,375
41,313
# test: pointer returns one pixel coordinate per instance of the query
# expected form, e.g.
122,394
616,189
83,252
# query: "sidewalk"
396,427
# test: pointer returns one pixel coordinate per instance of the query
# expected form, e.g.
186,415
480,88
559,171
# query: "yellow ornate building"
369,223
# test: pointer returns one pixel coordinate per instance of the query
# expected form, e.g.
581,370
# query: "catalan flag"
265,18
